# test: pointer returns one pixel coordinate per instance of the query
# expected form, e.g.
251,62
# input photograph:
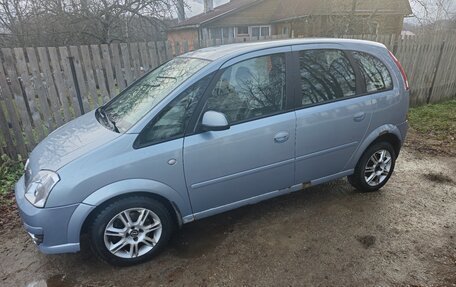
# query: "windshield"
129,107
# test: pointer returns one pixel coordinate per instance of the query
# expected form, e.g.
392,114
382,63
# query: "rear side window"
326,75
375,74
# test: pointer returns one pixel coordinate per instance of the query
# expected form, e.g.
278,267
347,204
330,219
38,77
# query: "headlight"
40,186
27,173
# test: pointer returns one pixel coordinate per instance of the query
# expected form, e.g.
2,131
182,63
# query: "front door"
225,169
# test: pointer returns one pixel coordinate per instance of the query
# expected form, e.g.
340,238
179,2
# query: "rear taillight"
404,75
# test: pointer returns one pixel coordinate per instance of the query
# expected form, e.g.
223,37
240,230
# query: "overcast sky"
196,7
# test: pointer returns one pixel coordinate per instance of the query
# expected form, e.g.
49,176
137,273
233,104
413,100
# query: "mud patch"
367,241
54,281
8,210
439,178
202,237
426,144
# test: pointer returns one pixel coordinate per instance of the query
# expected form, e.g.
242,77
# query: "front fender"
369,139
120,188
143,185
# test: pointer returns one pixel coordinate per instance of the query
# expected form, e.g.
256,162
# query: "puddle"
53,281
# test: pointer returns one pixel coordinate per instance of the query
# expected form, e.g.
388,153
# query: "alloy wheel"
378,167
132,232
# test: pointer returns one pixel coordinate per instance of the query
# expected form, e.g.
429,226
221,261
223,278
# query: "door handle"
281,137
359,116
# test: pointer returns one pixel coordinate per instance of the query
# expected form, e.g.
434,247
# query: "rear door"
379,82
224,169
332,114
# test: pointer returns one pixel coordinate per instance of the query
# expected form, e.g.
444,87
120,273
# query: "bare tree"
429,11
64,22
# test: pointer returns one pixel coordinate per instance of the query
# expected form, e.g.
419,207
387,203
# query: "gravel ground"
327,235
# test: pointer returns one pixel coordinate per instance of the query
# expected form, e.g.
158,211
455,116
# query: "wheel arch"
178,206
388,133
168,204
391,139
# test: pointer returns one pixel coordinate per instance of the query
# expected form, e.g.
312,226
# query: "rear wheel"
130,230
374,167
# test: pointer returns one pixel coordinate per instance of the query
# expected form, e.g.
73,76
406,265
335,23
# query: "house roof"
219,11
290,9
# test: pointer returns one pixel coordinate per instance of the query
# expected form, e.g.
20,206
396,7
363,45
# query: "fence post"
434,77
396,43
76,84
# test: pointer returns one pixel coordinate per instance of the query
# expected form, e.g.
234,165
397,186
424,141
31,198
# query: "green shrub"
10,172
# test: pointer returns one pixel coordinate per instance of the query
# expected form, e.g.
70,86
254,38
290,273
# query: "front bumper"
48,227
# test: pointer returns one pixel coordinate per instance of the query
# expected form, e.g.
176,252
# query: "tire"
379,173
135,228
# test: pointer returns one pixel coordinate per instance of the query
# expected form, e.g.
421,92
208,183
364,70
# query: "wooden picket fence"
43,88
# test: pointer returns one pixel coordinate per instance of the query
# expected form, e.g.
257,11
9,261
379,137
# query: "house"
243,20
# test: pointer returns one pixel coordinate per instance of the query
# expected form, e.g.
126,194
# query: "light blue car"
210,131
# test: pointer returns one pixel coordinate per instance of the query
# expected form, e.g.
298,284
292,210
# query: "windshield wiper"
152,85
105,116
165,77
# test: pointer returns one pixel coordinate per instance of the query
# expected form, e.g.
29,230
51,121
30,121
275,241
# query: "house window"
255,31
216,33
260,31
242,30
227,33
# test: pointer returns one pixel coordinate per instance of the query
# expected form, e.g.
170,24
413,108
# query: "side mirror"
214,121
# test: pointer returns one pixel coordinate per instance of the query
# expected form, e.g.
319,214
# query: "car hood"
69,142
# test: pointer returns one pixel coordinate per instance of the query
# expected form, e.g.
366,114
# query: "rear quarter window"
375,74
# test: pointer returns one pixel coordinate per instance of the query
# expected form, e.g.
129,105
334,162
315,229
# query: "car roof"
233,50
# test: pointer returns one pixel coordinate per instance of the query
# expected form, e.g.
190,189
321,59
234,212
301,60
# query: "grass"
437,120
10,172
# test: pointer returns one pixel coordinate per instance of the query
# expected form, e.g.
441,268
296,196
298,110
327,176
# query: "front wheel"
374,167
130,230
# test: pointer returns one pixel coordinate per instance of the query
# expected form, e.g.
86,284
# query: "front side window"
173,120
326,75
375,74
130,106
250,89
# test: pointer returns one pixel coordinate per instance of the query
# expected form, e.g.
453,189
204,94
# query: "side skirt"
259,198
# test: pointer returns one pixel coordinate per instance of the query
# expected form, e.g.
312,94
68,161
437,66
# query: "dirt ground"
327,235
